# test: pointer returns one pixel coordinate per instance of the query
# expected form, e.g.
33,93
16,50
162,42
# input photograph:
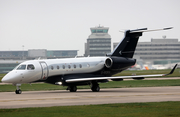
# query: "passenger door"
44,70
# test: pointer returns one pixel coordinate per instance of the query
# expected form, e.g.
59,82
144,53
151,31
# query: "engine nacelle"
119,62
139,78
120,79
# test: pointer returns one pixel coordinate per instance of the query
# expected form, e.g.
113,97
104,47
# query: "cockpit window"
30,67
21,67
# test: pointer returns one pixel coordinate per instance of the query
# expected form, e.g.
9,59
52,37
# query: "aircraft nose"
7,78
2,80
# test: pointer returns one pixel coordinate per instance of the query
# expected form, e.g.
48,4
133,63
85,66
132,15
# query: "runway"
87,97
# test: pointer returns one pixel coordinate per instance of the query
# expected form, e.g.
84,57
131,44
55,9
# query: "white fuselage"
35,70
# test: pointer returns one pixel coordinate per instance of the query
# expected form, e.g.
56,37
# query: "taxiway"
86,97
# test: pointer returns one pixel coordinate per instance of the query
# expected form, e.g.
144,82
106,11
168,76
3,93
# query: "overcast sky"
65,24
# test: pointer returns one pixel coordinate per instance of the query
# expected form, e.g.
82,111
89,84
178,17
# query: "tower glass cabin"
99,42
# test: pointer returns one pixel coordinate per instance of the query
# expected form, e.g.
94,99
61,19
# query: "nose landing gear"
18,90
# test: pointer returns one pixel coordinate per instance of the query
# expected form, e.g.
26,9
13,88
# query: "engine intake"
108,62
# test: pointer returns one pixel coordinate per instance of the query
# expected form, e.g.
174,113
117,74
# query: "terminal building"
10,59
158,51
99,42
37,53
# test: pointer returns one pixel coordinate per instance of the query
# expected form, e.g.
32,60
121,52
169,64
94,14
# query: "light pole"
23,51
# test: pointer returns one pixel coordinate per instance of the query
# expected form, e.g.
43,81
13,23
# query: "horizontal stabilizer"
145,30
141,29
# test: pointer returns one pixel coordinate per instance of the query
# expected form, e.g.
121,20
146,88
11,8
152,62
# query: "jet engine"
119,62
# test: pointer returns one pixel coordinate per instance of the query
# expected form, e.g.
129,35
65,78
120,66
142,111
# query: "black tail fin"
127,46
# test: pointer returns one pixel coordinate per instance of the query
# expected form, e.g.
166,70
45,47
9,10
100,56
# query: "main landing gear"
95,87
72,88
18,90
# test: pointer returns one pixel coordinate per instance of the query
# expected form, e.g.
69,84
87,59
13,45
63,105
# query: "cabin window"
63,66
69,66
21,67
30,67
80,65
52,67
57,67
74,66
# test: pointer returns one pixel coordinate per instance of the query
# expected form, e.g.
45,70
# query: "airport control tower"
99,42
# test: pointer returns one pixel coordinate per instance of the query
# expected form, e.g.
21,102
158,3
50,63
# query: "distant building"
13,54
61,53
99,42
10,59
36,53
158,51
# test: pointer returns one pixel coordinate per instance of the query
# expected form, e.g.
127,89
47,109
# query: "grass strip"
151,109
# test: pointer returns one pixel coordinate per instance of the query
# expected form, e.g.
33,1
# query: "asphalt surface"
87,97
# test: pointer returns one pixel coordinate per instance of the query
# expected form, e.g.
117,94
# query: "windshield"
21,67
30,67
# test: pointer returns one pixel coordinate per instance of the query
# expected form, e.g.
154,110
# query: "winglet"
172,70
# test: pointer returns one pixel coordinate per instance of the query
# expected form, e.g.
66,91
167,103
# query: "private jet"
73,72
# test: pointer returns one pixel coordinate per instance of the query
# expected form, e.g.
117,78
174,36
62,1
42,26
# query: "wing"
118,77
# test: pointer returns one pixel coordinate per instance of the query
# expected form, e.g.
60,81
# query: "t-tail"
127,46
